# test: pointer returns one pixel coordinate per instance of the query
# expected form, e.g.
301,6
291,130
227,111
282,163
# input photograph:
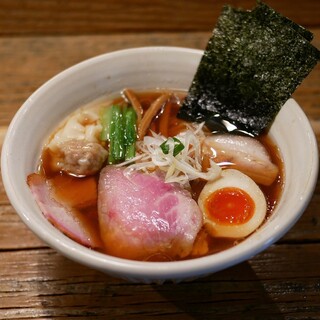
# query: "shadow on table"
235,293
72,290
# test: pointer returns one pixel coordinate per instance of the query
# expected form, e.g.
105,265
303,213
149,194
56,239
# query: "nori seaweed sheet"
253,63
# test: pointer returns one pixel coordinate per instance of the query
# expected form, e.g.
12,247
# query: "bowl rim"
155,270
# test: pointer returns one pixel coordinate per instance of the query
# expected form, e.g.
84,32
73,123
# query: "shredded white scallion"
180,168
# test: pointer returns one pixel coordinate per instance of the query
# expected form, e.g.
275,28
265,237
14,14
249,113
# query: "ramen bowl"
143,68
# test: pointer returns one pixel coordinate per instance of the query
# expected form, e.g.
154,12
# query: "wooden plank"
3,197
36,60
14,233
36,17
51,286
3,131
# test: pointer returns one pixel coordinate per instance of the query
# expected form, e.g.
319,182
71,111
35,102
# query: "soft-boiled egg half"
233,206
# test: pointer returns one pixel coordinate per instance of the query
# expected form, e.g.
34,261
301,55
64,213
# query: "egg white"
236,179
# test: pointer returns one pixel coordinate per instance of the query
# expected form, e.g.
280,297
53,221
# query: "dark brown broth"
69,189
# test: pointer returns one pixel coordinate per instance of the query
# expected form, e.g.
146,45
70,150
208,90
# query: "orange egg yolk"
230,206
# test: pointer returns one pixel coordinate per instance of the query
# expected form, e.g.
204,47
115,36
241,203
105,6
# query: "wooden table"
36,282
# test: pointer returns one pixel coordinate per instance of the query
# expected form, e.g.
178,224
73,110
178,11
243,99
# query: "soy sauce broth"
81,193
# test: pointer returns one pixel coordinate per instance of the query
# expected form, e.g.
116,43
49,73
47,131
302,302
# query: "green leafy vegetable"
105,118
120,132
177,146
252,64
116,140
130,132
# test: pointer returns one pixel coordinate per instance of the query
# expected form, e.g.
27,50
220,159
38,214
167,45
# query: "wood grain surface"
30,17
36,282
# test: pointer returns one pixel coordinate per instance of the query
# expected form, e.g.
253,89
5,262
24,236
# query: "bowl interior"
146,68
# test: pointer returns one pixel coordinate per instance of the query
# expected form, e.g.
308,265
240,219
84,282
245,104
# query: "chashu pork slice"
141,216
61,215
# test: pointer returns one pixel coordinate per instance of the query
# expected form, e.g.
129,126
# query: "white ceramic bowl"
145,68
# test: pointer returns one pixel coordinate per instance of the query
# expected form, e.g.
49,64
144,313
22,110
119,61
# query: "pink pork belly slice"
66,219
141,216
